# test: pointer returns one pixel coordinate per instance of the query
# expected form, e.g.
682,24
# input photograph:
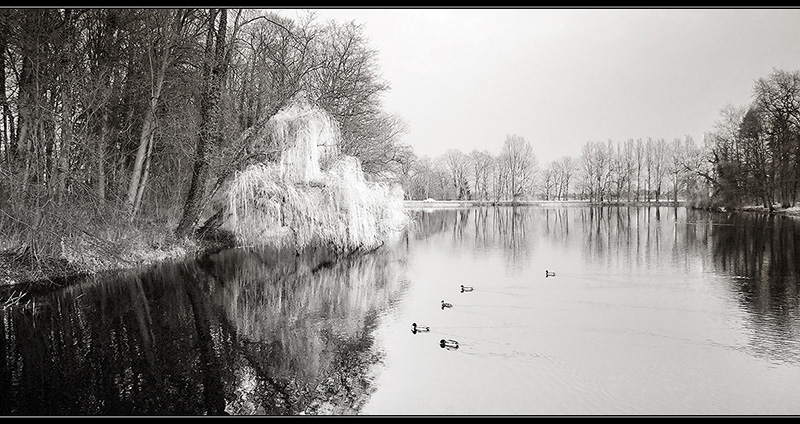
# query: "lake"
650,311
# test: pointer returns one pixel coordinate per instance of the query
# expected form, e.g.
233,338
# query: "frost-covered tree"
312,195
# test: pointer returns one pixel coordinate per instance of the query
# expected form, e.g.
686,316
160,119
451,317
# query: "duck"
451,344
446,305
466,288
418,328
549,273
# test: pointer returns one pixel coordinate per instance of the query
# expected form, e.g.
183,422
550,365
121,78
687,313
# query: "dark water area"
246,332
655,310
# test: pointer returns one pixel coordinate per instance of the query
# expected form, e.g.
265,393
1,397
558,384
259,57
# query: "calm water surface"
652,311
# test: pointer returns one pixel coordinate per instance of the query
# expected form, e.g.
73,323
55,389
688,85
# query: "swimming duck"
446,305
418,328
466,288
549,274
451,344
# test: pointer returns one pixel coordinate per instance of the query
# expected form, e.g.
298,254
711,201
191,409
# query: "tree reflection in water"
242,332
753,255
760,254
270,333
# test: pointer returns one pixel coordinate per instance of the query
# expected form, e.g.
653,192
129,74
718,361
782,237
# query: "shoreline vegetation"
312,196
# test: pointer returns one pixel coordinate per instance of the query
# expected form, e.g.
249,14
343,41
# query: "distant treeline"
751,157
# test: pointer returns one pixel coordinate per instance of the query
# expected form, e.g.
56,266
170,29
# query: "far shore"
421,204
441,204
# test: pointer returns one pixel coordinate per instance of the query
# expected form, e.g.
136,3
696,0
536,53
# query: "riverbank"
22,272
792,211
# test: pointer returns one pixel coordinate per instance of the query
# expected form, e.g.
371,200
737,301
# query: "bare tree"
170,24
564,170
596,166
629,166
520,161
588,170
457,164
639,158
758,158
675,166
481,162
617,171
659,165
777,98
698,187
7,118
348,85
499,176
725,155
548,180
210,125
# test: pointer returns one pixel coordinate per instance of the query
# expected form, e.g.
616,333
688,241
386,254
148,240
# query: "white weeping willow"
296,202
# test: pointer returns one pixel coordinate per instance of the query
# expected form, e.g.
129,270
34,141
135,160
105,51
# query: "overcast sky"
467,78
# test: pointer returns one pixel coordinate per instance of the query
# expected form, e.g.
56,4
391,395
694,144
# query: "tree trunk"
62,170
25,120
209,124
100,160
675,195
146,136
6,143
174,21
143,182
66,143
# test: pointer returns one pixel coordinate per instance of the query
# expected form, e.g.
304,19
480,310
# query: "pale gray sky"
465,78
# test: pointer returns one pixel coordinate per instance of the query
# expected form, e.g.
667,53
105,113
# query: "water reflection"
758,252
244,332
755,254
269,333
483,228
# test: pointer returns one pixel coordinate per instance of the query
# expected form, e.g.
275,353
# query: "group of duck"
449,343
444,343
